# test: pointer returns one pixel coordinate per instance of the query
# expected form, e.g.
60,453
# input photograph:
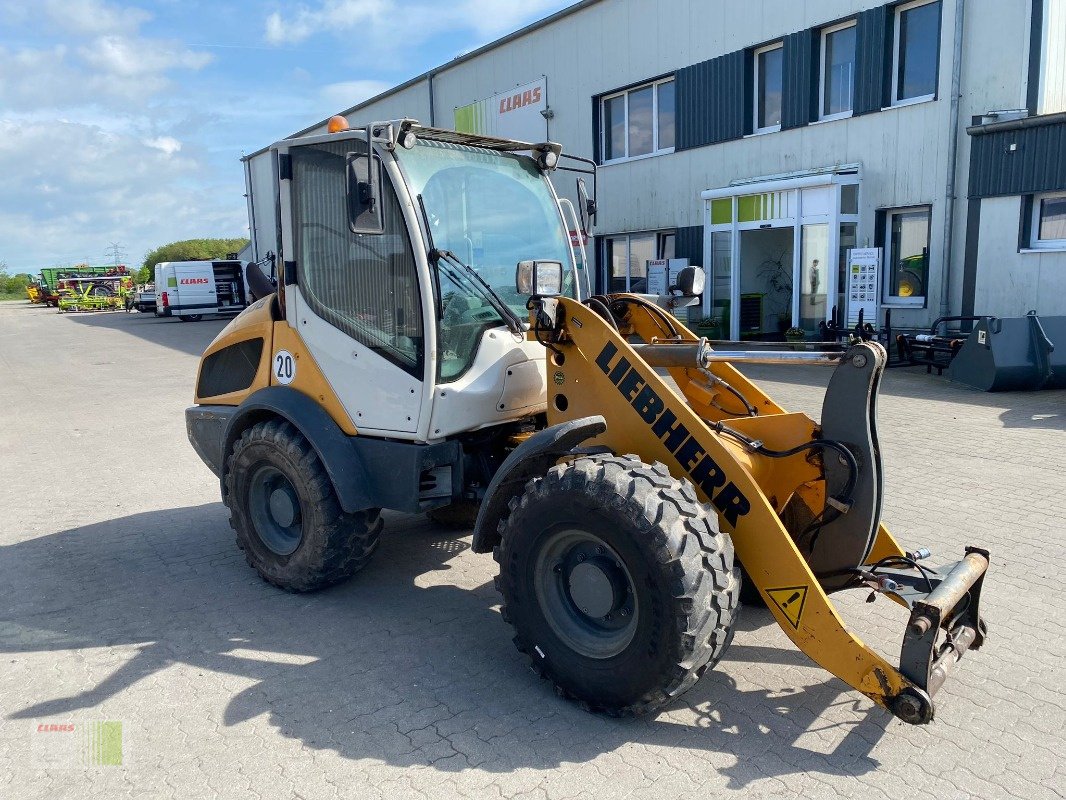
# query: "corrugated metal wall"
689,244
1036,164
799,102
873,60
712,100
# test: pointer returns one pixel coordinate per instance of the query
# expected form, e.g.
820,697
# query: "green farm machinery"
94,292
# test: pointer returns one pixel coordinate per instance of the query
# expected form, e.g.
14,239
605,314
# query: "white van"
189,289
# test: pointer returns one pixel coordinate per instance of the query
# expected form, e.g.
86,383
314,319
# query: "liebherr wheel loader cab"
391,367
431,347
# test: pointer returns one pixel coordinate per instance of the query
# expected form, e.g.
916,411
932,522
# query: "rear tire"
190,317
285,511
620,587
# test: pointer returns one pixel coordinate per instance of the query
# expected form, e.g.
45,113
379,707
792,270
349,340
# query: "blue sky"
126,121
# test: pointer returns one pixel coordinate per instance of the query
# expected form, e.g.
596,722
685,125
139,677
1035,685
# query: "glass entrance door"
775,254
814,276
766,285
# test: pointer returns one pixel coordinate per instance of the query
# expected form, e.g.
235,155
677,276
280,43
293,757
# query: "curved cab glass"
492,210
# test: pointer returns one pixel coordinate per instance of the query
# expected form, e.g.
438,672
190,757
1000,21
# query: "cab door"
356,302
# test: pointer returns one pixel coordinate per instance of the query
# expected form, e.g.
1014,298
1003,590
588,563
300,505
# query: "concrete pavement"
124,598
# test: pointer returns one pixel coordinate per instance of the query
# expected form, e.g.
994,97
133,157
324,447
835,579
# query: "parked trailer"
52,276
189,289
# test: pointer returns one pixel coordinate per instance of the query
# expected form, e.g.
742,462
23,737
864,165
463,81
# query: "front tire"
286,514
620,587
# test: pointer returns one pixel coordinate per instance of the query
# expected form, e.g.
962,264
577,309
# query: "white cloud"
95,140
109,73
386,24
166,144
113,185
340,96
330,15
134,57
93,16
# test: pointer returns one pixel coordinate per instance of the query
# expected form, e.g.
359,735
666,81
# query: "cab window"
366,285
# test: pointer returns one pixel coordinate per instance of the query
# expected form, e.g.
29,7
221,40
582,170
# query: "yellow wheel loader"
432,346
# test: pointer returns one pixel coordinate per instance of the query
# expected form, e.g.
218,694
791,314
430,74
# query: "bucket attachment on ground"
933,350
1013,354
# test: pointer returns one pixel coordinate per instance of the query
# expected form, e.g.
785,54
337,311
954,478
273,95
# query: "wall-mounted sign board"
514,114
864,270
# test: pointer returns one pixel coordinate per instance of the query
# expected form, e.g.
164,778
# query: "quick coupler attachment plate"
952,606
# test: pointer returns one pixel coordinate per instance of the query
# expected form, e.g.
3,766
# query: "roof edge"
510,37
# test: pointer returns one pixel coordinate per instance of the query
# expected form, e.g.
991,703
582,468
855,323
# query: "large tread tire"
682,567
334,545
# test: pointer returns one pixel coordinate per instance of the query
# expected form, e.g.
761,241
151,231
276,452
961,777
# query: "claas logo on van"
186,281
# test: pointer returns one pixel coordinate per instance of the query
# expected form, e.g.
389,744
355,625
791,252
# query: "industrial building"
813,157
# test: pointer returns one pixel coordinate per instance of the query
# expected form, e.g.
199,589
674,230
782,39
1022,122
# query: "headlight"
540,278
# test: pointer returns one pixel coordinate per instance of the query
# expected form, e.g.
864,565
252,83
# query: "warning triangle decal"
790,600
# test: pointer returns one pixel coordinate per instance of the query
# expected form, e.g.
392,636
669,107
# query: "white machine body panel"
378,395
505,382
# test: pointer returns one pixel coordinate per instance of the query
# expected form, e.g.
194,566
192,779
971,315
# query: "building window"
627,256
838,71
1047,58
1049,222
907,255
915,52
769,64
638,122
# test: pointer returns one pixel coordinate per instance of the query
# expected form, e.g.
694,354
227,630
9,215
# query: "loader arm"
800,500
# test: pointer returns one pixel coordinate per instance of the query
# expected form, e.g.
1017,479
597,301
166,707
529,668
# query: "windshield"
492,210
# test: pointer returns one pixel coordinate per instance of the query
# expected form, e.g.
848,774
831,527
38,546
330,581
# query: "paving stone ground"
123,597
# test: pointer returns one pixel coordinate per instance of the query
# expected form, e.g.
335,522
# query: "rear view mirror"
364,193
588,205
690,281
539,278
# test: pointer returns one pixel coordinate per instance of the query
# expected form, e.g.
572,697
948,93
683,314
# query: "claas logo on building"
526,98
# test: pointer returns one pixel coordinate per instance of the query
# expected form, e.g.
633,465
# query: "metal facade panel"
873,55
800,87
693,98
712,100
1037,162
689,244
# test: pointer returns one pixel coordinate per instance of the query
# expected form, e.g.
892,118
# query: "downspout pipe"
953,156
432,105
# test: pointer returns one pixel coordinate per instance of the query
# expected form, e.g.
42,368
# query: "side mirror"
539,278
588,204
259,285
363,174
690,281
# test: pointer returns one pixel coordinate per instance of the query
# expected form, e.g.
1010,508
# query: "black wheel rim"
586,593
274,507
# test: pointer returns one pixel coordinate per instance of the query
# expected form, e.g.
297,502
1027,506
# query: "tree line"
14,285
188,250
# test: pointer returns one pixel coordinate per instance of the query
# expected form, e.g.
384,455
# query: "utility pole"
116,253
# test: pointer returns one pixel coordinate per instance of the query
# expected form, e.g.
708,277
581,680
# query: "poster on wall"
662,274
864,269
514,114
